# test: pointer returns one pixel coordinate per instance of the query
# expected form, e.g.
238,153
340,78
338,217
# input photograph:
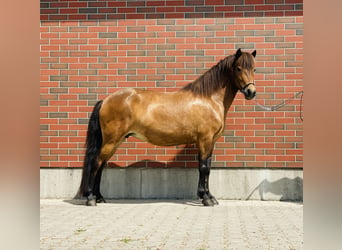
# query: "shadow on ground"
81,202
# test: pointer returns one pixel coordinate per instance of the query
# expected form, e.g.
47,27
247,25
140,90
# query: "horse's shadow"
186,156
287,189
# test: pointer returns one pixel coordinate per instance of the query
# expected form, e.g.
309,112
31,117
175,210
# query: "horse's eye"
254,70
238,69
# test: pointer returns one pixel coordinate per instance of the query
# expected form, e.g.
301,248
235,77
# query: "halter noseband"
246,86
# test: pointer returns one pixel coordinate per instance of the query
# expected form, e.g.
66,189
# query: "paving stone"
171,224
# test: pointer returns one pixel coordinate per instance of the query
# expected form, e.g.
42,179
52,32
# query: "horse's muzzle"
249,91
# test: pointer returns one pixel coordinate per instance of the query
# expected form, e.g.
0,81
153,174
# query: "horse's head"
243,73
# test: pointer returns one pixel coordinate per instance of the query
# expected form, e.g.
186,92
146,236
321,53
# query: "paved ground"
171,224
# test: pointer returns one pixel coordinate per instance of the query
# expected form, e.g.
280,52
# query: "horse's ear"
254,53
238,53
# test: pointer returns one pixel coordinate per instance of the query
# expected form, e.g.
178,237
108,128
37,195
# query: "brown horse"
194,114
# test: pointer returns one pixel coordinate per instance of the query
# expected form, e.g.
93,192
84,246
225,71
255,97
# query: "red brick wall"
90,49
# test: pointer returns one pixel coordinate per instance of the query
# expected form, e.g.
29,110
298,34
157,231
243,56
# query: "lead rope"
283,103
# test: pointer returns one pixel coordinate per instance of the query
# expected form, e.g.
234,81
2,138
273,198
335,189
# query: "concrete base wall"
179,183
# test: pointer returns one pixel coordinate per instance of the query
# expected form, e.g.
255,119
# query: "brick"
265,158
243,8
107,35
58,115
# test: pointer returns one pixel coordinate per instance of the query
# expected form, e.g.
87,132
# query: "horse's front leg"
211,197
203,184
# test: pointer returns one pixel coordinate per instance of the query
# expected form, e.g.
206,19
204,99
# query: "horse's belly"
164,137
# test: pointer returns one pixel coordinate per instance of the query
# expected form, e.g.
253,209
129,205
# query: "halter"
243,90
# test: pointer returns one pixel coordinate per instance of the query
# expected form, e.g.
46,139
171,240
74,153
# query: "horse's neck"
227,96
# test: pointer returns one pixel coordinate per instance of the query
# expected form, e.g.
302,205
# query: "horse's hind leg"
106,152
89,177
93,194
97,193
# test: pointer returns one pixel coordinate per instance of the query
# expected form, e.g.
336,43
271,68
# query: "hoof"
214,201
207,202
91,201
100,200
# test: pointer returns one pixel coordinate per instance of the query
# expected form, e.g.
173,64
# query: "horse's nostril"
250,93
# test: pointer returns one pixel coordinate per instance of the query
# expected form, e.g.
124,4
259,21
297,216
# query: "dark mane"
213,79
217,76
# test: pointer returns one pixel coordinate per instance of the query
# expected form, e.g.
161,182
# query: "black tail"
93,143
